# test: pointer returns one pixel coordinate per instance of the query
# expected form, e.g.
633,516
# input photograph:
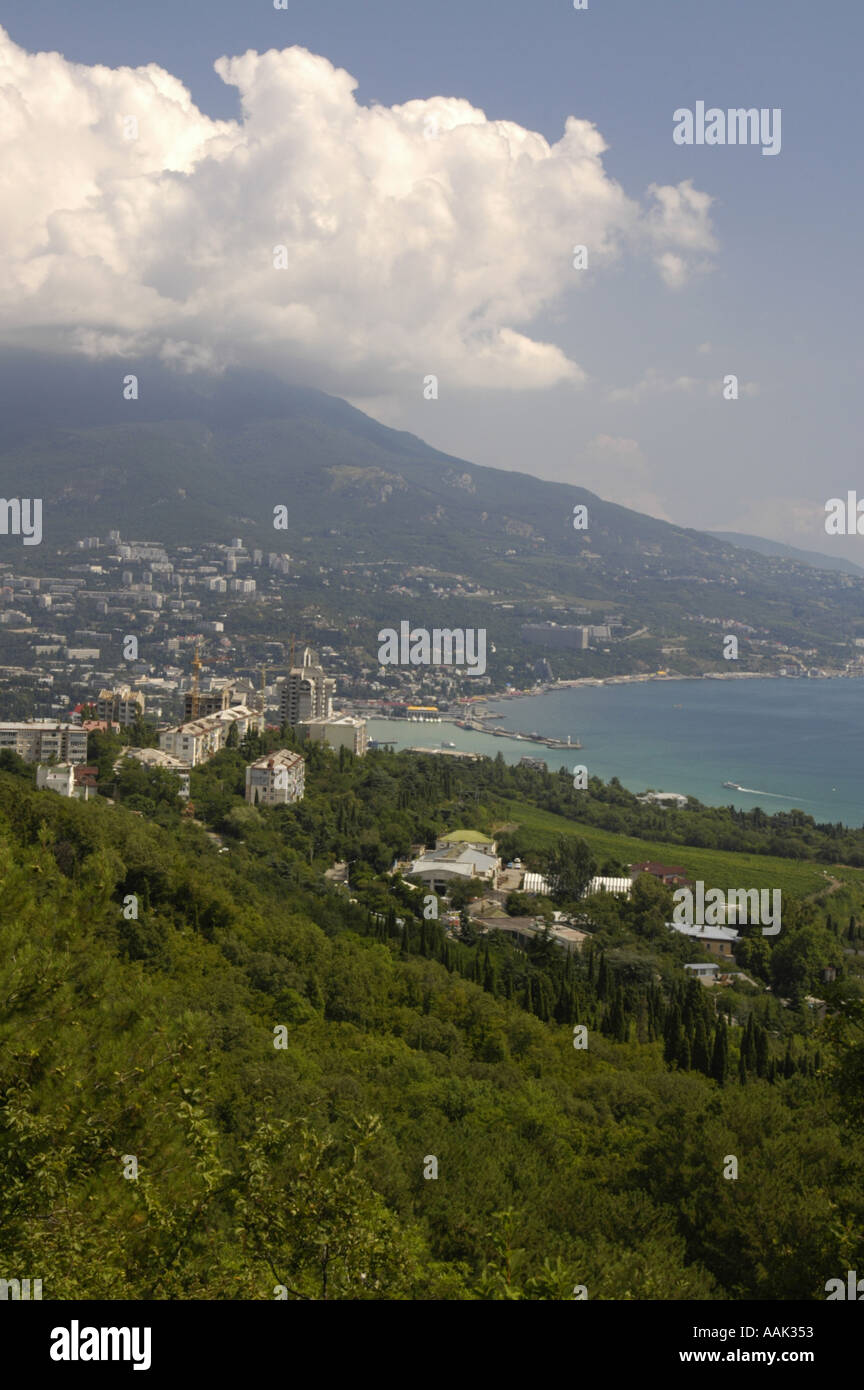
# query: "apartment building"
339,731
277,779
307,693
122,705
157,757
197,741
221,695
40,740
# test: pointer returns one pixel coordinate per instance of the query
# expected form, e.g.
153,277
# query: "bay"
791,743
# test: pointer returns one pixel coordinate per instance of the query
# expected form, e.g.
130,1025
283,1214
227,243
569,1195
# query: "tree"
720,1056
571,867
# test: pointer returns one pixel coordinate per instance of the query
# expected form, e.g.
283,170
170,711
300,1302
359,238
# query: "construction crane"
272,666
196,682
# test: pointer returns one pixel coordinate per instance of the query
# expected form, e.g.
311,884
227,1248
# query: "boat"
733,786
448,745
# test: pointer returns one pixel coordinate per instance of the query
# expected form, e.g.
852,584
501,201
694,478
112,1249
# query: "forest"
283,1056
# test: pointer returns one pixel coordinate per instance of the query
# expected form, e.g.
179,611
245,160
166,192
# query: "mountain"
789,552
200,458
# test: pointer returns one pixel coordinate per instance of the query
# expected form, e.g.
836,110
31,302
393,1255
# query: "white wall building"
277,779
339,731
443,867
306,693
59,778
197,741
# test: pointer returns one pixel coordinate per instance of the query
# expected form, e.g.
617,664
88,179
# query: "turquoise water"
795,743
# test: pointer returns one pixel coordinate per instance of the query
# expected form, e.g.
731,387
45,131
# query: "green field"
714,867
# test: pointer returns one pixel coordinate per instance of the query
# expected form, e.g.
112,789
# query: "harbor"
480,724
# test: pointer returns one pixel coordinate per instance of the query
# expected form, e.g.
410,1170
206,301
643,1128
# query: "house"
704,971
718,941
672,876
86,779
67,779
663,799
58,778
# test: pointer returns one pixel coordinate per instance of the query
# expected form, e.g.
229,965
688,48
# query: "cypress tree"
720,1056
700,1057
671,1034
602,978
490,983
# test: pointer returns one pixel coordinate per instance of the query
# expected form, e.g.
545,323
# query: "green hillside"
716,868
428,1129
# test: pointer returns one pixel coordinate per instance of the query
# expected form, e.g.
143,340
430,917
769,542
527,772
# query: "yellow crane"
196,679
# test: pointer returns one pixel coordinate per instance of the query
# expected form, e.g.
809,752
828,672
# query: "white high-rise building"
306,692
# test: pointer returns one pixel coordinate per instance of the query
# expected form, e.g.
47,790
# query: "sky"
428,171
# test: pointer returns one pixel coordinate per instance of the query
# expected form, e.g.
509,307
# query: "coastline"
641,678
793,743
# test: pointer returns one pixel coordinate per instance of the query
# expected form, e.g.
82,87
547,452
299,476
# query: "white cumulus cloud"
421,238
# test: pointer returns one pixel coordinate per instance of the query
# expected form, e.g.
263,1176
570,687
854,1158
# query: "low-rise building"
703,971
672,876
277,779
57,777
443,867
718,941
67,779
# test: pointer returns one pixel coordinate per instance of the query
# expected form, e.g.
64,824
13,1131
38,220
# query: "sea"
787,743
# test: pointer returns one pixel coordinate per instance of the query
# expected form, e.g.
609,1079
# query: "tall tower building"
306,692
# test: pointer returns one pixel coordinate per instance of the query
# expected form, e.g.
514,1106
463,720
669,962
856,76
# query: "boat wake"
754,791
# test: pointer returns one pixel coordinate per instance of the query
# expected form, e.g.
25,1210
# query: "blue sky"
778,304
